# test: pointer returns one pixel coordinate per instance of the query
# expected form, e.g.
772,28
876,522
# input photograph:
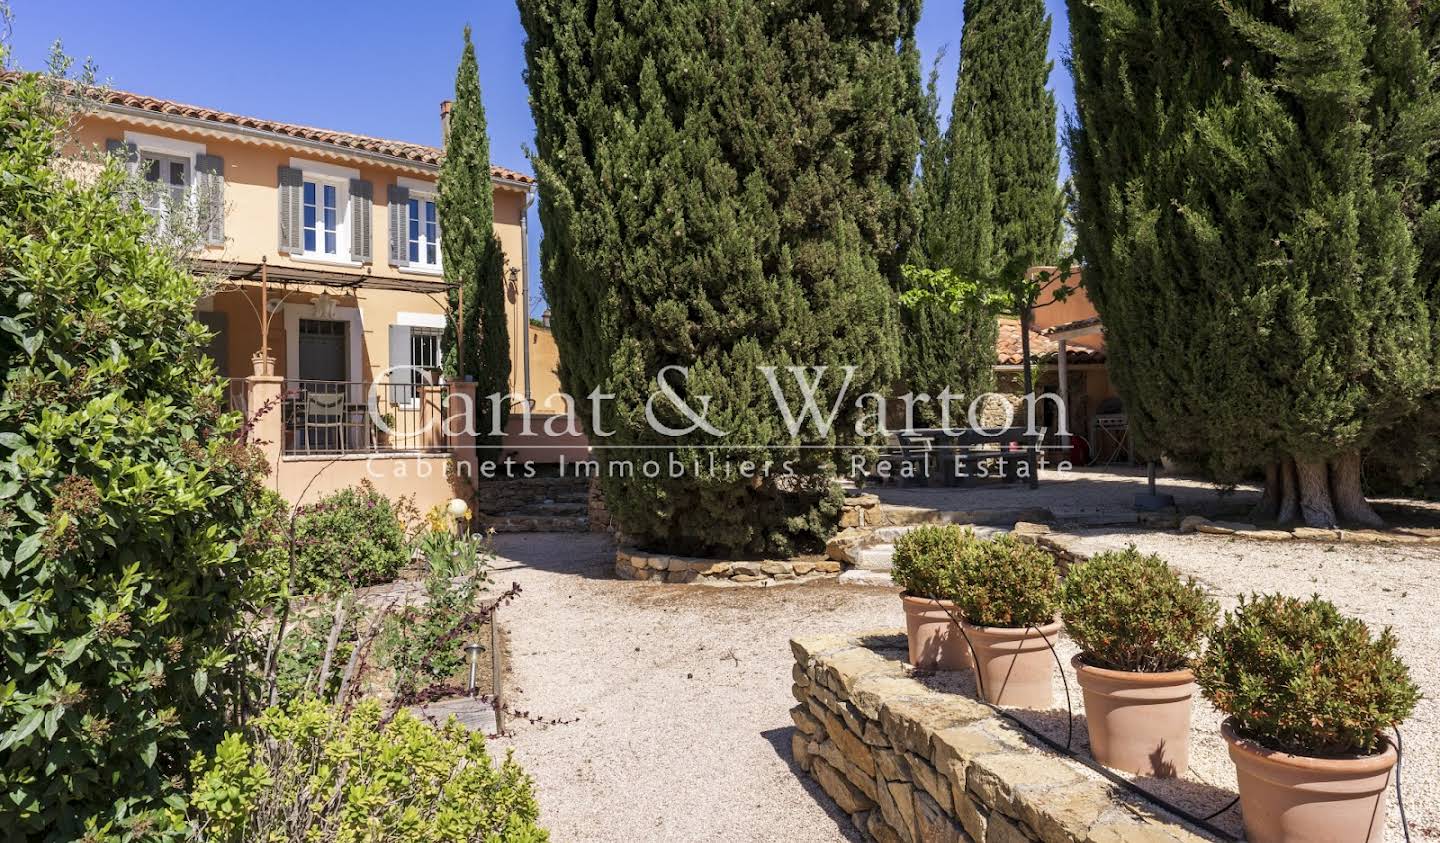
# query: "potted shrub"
1008,595
1138,625
924,566
1309,694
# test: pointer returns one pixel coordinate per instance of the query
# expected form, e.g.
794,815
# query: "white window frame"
323,175
410,322
423,191
162,148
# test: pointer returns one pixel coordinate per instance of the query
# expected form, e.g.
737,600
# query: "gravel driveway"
682,693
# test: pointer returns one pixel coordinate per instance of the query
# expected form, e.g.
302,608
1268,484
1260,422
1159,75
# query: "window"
321,201
424,233
167,182
424,356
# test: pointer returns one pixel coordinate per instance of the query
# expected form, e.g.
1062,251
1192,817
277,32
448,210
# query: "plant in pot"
1008,594
924,566
1138,625
1309,694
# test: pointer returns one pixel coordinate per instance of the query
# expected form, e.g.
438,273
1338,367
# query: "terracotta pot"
1287,797
1015,666
935,642
1139,722
264,366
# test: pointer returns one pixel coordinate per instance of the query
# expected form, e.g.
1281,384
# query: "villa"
329,296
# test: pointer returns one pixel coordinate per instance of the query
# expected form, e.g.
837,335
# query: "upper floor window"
170,176
321,218
424,231
324,212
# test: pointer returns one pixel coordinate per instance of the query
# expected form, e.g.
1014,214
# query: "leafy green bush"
1297,676
307,773
127,500
925,561
351,538
1131,612
1005,582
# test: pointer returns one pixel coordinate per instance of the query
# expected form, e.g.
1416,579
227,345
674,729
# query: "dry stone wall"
909,763
632,564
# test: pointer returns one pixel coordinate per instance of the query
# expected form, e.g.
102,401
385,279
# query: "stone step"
858,576
876,557
549,507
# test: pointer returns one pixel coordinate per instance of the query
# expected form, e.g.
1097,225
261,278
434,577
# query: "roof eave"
335,150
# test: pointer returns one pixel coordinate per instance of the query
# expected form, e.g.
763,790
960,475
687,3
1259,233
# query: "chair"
324,415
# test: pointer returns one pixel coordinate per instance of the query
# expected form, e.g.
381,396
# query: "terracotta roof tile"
419,153
1087,322
1008,350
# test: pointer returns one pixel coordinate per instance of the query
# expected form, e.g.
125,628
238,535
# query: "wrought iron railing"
359,417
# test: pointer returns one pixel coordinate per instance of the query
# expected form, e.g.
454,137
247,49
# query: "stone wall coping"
1402,535
911,763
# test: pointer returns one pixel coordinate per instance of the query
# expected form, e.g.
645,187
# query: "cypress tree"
1004,71
1249,179
477,341
944,348
724,185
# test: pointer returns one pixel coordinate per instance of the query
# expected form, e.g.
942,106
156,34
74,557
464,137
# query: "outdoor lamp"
458,508
474,651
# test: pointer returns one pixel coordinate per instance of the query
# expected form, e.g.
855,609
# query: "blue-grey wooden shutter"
398,199
210,197
362,221
129,153
292,188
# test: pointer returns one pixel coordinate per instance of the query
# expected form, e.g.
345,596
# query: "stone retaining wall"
632,564
909,763
506,495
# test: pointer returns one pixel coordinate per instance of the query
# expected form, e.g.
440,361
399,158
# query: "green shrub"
127,500
1128,611
307,773
351,538
302,654
926,560
1297,676
1006,583
424,644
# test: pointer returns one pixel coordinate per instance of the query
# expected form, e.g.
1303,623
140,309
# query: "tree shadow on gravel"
587,555
779,740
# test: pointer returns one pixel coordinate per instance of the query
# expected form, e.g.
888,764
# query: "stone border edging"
1201,524
909,763
633,564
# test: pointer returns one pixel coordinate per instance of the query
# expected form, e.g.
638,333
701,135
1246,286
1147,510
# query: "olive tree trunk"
1316,493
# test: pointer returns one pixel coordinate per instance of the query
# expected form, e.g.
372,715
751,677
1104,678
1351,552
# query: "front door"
322,350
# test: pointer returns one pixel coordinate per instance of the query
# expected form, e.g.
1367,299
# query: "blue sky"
361,66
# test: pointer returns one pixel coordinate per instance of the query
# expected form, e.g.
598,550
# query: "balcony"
338,418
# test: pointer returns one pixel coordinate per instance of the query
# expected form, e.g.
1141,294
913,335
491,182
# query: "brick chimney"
445,121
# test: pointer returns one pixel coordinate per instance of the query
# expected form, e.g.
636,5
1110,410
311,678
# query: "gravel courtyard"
681,694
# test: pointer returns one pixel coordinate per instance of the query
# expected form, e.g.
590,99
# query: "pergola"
1062,334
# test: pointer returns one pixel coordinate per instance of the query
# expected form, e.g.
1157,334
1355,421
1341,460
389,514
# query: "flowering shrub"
1131,612
1006,583
308,773
350,538
925,558
1297,676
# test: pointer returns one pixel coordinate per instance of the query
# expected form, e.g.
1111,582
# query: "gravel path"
682,693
